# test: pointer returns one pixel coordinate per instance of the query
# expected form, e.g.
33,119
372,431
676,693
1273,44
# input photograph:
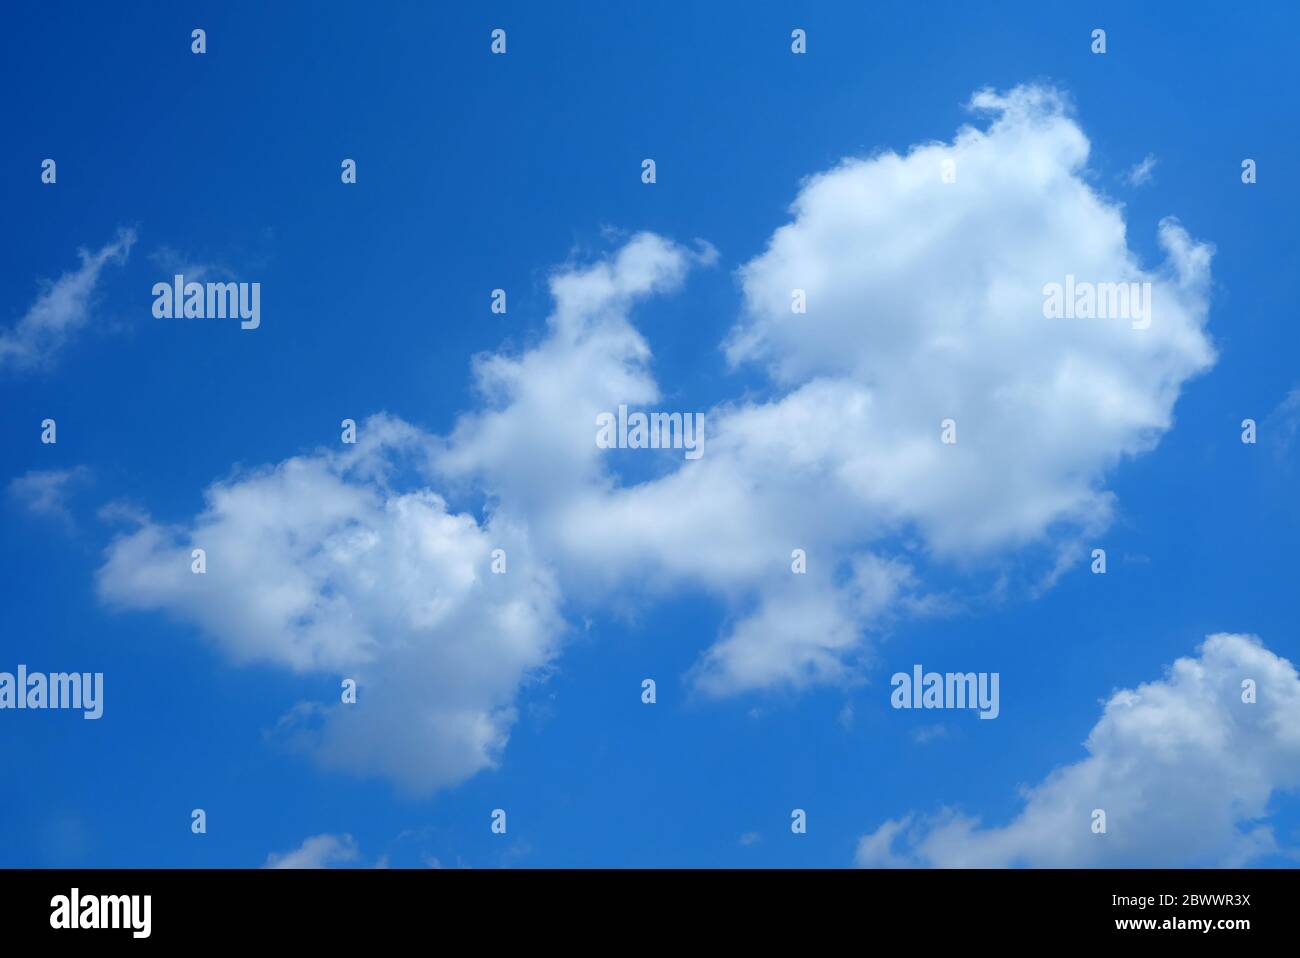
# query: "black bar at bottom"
1222,908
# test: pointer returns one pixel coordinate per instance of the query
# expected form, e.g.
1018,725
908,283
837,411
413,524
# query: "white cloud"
338,568
43,492
1140,174
1183,768
319,564
62,308
534,443
319,851
924,302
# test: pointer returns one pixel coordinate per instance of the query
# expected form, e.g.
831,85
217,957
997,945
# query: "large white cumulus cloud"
924,303
349,562
1183,767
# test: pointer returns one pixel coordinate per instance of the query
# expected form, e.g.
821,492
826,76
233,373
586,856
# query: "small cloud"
1140,174
174,261
750,838
319,851
929,733
845,718
541,712
43,492
121,512
1280,426
62,308
519,850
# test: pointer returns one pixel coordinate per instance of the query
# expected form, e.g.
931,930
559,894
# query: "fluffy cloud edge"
1183,769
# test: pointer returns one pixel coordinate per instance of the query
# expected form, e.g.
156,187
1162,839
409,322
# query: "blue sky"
477,172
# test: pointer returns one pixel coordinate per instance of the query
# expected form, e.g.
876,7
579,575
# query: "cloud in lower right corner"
1184,768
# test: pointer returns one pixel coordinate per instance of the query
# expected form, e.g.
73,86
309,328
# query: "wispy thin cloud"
929,733
43,492
1140,174
1281,425
61,310
195,270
